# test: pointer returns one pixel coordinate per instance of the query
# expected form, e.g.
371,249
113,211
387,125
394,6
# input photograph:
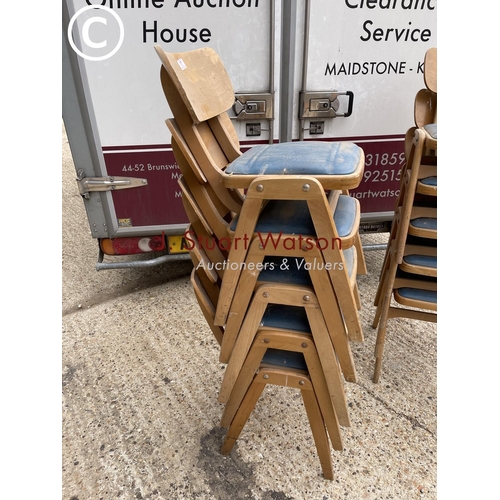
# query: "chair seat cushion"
430,181
286,318
425,223
298,158
421,260
432,130
293,217
418,294
285,359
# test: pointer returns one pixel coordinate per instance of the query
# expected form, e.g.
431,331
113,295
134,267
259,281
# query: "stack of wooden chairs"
409,272
274,239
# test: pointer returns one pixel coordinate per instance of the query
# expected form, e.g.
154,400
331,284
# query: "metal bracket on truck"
86,185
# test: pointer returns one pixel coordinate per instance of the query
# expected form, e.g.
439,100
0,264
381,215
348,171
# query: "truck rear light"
132,245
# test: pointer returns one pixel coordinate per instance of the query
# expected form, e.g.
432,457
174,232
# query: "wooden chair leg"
377,317
319,432
380,342
241,348
383,284
243,382
336,326
244,411
361,256
322,360
246,226
383,314
356,297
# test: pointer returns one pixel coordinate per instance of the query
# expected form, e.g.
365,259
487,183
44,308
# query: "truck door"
359,64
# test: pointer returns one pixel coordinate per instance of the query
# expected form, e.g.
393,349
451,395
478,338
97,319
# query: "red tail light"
132,245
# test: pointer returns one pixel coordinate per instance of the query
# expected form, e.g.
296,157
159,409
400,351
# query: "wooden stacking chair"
273,360
409,272
200,93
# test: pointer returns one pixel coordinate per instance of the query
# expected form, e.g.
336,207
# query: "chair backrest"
430,70
212,144
425,109
200,232
203,83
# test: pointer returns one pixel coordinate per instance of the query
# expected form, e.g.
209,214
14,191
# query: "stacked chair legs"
274,240
283,352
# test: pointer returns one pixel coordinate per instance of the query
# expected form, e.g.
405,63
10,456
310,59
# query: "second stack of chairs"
409,271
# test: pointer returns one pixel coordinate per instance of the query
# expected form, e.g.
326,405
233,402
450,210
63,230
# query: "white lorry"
323,70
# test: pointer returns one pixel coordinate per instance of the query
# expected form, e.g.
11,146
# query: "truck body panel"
298,68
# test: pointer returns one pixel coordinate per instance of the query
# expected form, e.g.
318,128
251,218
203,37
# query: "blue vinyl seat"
298,158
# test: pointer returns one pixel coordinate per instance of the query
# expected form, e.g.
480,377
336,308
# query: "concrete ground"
140,377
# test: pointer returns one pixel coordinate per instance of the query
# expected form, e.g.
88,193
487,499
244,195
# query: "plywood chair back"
206,304
201,194
426,101
430,70
199,236
425,108
204,85
210,156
